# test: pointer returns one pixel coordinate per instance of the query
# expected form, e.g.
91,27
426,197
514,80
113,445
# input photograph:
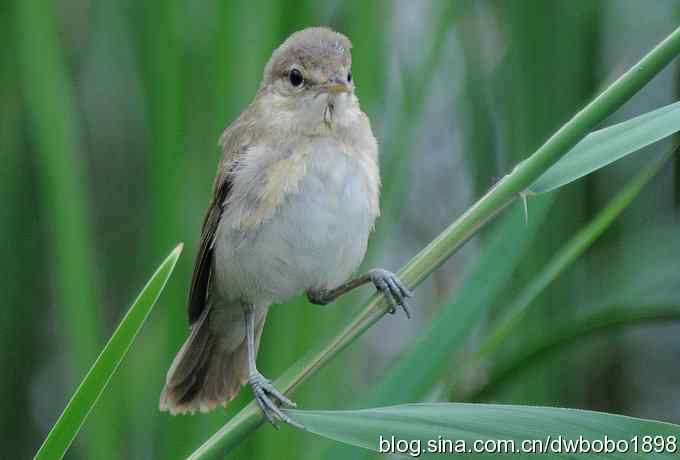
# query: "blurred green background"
109,118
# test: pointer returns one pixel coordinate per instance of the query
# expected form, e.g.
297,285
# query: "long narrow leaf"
600,148
64,431
420,424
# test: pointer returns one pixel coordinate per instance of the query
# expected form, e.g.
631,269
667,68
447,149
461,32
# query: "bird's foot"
319,297
267,397
395,291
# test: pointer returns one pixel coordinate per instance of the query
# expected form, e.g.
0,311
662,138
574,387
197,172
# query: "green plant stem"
574,331
411,377
451,239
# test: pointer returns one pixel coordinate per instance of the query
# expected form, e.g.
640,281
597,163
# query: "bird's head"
310,76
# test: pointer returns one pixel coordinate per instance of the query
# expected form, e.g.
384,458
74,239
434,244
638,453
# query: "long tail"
207,372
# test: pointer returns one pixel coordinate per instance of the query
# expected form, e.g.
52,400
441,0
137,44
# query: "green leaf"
65,430
600,148
471,422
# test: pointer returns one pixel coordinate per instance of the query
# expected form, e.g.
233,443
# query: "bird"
295,198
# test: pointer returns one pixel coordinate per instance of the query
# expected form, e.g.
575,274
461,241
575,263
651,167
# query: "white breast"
315,239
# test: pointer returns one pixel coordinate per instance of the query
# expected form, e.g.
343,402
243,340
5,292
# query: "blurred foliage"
109,120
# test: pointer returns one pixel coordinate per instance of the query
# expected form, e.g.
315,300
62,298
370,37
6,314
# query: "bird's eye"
295,77
349,77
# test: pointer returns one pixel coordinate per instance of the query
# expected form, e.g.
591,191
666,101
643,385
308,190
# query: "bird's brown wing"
203,266
234,142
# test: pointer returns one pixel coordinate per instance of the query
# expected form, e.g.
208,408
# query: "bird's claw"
267,397
394,290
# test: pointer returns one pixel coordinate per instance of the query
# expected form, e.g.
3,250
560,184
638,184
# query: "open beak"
335,86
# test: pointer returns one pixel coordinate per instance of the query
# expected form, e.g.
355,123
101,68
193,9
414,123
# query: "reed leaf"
69,423
605,146
421,424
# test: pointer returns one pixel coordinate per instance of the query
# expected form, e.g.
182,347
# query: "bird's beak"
335,85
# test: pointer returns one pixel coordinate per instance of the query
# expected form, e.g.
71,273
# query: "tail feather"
204,374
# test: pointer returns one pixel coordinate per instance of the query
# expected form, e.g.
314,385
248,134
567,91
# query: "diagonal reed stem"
453,237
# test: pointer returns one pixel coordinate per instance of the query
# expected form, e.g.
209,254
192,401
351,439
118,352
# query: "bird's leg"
266,394
383,280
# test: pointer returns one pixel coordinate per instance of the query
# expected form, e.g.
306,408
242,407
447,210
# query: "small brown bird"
295,199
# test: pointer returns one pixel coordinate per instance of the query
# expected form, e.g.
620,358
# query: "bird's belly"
315,239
